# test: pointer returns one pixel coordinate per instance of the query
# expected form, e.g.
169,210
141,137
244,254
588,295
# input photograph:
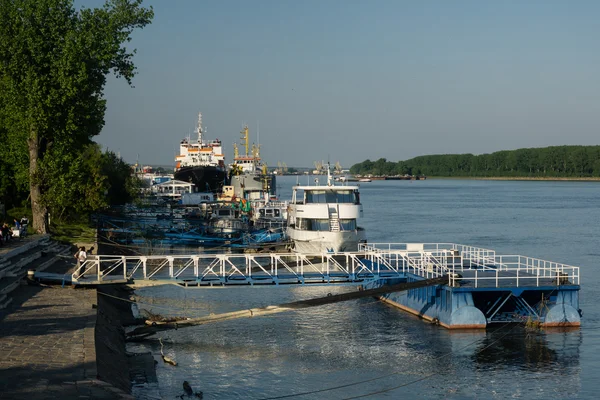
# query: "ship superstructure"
201,163
248,175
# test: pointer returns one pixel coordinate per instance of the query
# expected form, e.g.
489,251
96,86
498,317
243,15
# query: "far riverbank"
516,178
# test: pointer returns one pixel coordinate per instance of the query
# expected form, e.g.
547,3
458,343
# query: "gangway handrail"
423,260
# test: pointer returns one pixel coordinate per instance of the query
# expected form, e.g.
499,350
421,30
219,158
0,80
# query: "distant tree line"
54,60
554,161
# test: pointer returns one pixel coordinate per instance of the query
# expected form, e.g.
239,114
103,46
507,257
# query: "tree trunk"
40,212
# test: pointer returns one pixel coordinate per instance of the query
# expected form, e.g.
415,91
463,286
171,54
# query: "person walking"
81,256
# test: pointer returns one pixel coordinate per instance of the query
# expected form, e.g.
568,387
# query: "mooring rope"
200,309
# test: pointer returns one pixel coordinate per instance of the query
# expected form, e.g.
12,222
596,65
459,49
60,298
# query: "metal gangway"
463,265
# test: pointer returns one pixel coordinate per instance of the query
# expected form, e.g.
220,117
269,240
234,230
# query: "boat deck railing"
480,267
465,266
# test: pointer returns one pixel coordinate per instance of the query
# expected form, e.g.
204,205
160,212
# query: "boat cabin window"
308,224
331,196
347,224
269,212
223,213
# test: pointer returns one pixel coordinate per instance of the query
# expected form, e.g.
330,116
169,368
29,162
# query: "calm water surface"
368,348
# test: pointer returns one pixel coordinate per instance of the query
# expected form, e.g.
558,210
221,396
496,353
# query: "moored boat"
248,176
201,163
323,218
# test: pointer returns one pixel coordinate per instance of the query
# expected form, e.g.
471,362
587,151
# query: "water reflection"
342,344
531,351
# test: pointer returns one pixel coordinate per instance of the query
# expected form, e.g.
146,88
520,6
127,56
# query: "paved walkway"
47,348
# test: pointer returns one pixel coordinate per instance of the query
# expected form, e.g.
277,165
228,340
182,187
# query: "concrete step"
8,284
24,262
45,264
37,256
4,301
23,246
4,269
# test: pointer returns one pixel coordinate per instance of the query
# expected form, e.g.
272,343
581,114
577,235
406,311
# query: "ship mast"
244,138
199,128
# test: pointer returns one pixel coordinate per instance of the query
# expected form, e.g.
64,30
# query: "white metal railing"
237,267
484,265
464,265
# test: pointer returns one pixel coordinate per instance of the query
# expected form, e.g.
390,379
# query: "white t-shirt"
82,256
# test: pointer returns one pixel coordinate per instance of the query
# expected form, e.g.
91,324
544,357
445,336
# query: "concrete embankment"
114,363
66,343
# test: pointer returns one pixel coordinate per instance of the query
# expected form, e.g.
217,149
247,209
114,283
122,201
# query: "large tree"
54,61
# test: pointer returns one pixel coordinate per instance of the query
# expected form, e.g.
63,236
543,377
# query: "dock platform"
482,287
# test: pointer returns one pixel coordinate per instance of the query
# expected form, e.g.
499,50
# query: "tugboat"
323,218
201,163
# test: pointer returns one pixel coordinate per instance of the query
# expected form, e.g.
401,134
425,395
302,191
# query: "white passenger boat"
323,218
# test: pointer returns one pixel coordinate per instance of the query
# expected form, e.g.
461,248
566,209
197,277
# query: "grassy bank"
74,233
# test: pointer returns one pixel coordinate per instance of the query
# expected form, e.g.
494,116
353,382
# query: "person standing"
18,227
6,234
81,256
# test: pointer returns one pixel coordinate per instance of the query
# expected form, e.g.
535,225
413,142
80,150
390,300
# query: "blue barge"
483,287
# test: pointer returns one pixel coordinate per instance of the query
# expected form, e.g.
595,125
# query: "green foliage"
53,66
551,162
123,185
86,182
380,167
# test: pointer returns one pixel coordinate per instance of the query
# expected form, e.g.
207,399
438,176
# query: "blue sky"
350,80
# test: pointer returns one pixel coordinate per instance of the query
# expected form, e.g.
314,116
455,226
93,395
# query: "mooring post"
497,277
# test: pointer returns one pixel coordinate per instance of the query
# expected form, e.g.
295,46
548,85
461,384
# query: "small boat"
225,223
271,214
323,218
364,180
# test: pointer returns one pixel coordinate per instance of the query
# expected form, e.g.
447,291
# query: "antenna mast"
199,128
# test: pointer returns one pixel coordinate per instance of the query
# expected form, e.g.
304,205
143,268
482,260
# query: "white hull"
324,241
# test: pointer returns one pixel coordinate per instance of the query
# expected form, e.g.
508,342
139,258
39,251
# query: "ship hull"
205,178
310,242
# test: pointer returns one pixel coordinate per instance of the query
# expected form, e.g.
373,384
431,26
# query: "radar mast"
199,128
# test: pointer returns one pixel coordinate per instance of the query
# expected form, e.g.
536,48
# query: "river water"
364,347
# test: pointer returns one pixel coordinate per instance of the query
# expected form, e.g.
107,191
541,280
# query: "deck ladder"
334,220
